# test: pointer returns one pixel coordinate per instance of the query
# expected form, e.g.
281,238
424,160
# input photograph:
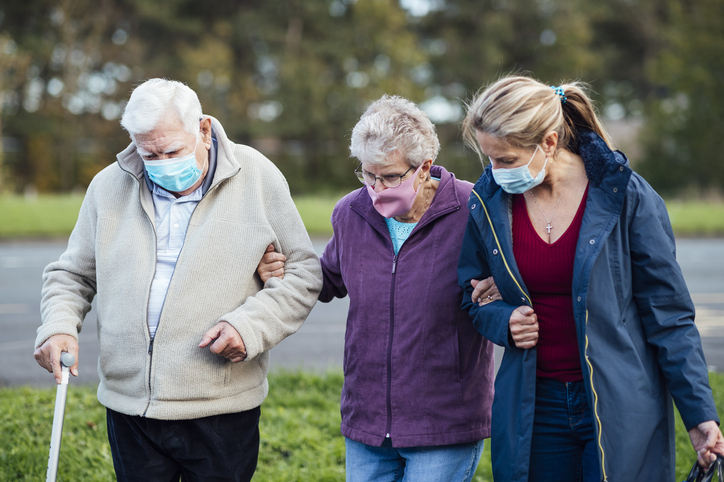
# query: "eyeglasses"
387,180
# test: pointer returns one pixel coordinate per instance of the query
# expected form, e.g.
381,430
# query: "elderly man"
168,239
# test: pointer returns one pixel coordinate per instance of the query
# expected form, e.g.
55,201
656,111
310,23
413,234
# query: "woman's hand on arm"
484,291
271,265
523,325
707,441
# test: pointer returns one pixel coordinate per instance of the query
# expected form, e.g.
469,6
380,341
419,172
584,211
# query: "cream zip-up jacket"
111,256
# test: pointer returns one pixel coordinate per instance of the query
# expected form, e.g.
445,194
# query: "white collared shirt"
172,220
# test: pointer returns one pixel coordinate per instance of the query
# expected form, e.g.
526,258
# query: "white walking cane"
66,361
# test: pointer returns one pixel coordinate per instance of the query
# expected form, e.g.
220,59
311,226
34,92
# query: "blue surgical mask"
177,174
519,179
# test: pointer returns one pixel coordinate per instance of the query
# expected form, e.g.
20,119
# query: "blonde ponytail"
521,111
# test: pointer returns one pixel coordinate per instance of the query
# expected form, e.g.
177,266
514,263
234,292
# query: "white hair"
394,124
152,101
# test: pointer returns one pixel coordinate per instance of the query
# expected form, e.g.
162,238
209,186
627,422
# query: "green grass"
42,216
300,438
49,216
55,215
696,218
316,211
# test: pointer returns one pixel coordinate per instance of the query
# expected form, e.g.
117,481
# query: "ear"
205,127
425,169
549,143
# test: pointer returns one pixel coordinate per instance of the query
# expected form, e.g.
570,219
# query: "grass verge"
696,218
300,439
43,216
49,216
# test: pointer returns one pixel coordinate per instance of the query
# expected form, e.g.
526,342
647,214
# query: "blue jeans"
453,463
563,447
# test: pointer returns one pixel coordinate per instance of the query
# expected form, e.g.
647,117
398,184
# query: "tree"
287,76
13,65
291,77
472,43
69,94
685,113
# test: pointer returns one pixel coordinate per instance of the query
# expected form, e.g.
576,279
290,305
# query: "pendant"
548,228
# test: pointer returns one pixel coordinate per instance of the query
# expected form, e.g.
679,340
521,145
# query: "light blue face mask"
518,179
177,174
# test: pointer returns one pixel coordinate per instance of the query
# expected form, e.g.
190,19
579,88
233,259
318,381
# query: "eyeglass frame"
360,178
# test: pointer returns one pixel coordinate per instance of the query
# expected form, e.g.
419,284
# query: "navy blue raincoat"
634,323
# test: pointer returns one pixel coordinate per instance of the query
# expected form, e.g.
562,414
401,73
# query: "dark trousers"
217,448
563,448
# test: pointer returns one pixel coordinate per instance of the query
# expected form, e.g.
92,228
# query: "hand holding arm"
271,314
271,265
492,319
523,326
485,291
707,441
48,354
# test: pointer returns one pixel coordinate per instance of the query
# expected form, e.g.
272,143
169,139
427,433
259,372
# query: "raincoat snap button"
620,168
472,207
495,252
593,241
615,189
579,298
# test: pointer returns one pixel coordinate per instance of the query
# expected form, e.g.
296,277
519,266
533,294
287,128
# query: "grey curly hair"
391,124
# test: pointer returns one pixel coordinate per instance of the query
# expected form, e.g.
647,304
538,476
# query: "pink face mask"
394,201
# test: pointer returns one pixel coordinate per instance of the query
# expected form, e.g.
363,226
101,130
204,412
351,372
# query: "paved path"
318,344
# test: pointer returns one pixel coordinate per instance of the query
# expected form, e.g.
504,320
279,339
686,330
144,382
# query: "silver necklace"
549,220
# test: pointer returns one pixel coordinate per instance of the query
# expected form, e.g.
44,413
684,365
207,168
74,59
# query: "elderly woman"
418,377
596,320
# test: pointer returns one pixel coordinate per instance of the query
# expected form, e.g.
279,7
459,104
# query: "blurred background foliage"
291,77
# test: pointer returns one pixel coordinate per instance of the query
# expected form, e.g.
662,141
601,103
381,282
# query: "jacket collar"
446,200
598,159
226,164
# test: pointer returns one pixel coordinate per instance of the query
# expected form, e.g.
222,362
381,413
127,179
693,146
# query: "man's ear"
205,128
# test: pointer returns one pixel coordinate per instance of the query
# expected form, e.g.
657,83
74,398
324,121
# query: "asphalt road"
317,345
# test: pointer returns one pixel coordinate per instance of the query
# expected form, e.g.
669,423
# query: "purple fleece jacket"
415,366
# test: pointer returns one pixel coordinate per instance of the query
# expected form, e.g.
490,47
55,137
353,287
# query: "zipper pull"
394,264
150,347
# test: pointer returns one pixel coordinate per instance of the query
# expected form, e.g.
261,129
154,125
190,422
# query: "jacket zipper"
150,343
500,250
585,353
392,313
595,407
153,226
389,347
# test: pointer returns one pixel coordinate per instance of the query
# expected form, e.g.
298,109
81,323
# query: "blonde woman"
596,319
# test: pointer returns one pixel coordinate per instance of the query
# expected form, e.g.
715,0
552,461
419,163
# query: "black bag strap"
715,472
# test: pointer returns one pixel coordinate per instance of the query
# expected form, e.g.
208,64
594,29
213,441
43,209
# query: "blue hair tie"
560,93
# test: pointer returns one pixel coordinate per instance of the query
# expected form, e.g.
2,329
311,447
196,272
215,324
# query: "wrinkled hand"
271,265
707,441
48,354
485,291
226,342
523,326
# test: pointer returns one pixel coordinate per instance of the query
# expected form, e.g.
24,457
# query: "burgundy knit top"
547,271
